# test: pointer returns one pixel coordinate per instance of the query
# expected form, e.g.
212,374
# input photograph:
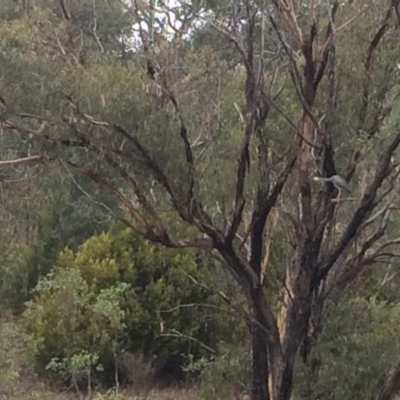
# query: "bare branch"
257,111
271,101
22,160
185,139
66,14
349,21
174,333
366,206
379,252
286,10
162,230
38,134
241,174
295,75
144,227
159,174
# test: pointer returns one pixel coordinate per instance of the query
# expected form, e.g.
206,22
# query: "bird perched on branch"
337,181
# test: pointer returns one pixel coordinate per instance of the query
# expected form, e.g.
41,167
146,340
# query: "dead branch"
145,228
22,160
192,213
66,14
264,206
352,19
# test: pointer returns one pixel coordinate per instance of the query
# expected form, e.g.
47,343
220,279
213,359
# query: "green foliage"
11,351
227,375
66,319
358,344
76,368
59,215
121,292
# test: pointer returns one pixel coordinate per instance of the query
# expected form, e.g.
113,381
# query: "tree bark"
391,384
259,390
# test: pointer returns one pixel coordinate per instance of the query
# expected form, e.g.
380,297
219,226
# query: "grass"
25,392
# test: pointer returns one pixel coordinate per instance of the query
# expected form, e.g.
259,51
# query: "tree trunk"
284,391
391,384
259,390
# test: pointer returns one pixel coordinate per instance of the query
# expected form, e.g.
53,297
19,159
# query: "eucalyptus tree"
231,148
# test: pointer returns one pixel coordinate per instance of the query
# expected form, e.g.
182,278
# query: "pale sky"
168,17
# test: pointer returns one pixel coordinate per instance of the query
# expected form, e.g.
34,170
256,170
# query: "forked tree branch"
151,163
252,94
243,164
145,229
184,134
285,8
262,208
192,213
159,225
233,37
184,211
366,206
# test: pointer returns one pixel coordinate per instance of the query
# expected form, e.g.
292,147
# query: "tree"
126,142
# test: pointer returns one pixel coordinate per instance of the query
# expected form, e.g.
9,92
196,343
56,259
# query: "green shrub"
227,375
9,374
358,345
120,292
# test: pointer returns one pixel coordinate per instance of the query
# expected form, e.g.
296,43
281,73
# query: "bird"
337,181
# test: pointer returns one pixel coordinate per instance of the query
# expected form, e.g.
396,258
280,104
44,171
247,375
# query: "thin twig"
22,160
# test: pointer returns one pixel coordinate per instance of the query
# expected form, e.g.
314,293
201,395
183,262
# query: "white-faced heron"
337,181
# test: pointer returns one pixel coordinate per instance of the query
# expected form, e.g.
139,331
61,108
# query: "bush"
120,292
